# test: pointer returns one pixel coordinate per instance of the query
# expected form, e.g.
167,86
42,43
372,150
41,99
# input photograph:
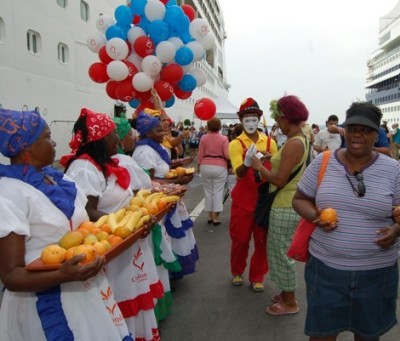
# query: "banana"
119,214
125,219
143,220
157,197
133,220
150,197
101,221
171,198
143,193
132,208
112,222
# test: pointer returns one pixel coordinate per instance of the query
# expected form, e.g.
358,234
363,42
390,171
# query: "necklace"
293,134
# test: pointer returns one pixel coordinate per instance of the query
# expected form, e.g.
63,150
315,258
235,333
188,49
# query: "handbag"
266,199
298,249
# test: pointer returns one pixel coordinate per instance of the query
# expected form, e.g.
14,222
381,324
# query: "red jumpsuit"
242,226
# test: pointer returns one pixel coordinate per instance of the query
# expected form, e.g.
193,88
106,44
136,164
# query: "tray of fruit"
110,235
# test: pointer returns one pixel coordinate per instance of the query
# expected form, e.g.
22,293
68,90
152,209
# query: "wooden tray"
37,265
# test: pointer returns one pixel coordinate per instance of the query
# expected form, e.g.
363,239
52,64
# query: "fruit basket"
114,251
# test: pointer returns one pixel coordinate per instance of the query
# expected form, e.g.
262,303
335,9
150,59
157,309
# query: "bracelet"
315,221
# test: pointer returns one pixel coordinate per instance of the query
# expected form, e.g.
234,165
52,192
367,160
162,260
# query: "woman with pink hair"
289,113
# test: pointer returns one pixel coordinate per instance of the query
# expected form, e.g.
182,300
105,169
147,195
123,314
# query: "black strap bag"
266,199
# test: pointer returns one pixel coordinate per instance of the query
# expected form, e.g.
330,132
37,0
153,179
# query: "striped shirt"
352,246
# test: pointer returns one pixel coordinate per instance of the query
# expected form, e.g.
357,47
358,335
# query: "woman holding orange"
42,206
352,273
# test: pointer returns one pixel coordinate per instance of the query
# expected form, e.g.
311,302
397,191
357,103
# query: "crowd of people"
351,275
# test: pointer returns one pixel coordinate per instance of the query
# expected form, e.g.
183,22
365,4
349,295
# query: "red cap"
249,106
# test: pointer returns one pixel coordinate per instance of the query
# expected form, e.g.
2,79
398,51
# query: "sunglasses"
360,189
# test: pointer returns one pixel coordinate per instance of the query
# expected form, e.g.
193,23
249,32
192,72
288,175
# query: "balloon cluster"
150,44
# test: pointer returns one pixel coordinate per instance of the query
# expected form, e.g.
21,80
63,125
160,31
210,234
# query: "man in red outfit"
245,195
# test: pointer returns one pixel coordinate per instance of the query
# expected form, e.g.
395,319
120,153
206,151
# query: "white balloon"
103,22
165,51
154,10
142,82
198,28
136,60
151,65
200,76
178,43
96,41
117,48
197,49
208,41
117,70
134,33
187,68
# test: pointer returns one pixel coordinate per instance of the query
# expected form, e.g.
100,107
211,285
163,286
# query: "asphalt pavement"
208,307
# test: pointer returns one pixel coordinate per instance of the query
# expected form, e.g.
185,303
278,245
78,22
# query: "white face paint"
250,124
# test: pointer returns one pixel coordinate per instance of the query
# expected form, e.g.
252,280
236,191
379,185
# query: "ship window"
62,3
34,42
63,53
2,31
84,11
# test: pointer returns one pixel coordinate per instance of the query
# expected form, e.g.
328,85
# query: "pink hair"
293,109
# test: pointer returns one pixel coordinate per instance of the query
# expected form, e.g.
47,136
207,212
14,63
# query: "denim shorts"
362,302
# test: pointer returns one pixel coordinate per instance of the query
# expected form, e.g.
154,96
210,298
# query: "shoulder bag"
298,249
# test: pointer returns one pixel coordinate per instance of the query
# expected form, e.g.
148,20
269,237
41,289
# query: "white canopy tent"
225,109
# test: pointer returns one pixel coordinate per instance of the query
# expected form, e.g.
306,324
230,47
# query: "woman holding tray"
38,206
152,156
108,180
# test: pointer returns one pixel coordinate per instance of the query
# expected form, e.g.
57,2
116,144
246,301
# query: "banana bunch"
148,197
124,217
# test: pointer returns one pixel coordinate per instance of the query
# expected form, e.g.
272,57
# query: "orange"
151,208
88,225
105,228
100,248
70,253
83,232
106,243
122,231
90,239
87,250
102,235
328,215
144,210
53,254
70,239
161,204
114,240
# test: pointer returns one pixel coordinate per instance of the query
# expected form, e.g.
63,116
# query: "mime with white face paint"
245,195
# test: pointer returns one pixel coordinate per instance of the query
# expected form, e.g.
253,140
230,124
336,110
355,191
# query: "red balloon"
164,1
143,46
143,105
125,91
143,96
98,73
136,19
103,56
189,11
172,73
164,89
182,94
205,108
132,69
111,89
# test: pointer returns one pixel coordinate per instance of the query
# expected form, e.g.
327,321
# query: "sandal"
277,298
279,309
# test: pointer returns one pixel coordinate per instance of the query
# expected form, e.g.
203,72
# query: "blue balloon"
170,102
116,31
123,15
182,25
171,3
158,31
134,103
184,56
186,37
144,23
188,83
173,15
137,6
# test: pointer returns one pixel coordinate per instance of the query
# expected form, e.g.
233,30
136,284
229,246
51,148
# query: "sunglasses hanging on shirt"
360,189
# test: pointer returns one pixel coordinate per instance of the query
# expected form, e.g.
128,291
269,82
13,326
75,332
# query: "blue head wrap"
145,123
18,130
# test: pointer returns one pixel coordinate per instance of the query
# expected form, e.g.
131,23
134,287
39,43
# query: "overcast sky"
315,49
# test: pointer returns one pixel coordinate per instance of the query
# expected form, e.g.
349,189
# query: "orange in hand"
328,215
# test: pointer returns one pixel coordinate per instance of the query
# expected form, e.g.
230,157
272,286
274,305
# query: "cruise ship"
383,74
44,60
